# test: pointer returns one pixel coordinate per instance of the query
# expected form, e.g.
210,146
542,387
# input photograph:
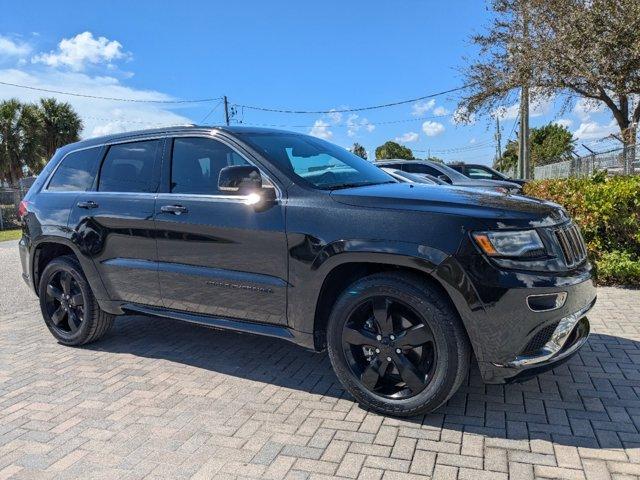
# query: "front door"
113,224
217,255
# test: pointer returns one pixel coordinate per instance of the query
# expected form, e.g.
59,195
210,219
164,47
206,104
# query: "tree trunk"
630,148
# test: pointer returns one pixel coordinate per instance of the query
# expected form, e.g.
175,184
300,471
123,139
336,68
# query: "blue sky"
283,54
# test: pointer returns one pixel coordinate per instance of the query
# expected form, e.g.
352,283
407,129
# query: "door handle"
175,209
88,204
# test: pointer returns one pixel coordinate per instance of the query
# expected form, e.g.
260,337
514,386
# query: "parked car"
288,236
407,177
483,172
449,175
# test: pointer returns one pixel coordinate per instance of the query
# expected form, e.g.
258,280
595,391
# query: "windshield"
451,173
317,163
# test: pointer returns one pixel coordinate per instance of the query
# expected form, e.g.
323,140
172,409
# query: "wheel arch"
47,248
343,265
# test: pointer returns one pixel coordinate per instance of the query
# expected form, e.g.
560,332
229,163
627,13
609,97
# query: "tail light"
22,209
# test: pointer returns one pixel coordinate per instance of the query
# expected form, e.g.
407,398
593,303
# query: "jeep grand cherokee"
289,236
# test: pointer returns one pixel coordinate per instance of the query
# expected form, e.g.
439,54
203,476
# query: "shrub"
607,209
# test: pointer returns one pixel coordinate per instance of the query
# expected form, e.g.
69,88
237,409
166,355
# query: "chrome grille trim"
571,244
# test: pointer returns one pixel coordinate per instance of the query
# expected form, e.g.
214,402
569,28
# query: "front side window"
315,162
129,167
420,168
196,165
76,172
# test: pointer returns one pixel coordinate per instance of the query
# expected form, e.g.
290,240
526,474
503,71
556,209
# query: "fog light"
546,301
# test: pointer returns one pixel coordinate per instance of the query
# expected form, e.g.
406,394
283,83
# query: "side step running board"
277,331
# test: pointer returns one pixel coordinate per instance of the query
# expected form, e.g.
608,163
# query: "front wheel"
68,306
397,345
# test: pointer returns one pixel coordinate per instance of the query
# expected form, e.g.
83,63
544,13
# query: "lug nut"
398,350
377,350
392,337
388,359
378,337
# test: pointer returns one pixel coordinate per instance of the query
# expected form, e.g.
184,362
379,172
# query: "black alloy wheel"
69,307
65,302
389,348
397,344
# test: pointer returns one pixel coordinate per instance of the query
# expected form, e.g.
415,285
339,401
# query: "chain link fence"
10,199
623,161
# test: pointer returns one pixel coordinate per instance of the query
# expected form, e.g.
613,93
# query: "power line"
364,124
359,109
98,97
210,112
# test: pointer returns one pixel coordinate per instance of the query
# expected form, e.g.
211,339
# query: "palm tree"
61,125
20,139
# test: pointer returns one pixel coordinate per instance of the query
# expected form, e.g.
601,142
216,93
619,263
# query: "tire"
417,380
63,284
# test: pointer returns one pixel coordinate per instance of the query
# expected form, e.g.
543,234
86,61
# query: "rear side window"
196,165
76,171
129,167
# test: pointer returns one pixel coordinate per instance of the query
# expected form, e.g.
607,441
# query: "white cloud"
440,111
407,137
432,129
99,116
11,48
564,122
594,130
536,109
320,129
334,117
473,141
422,107
585,107
83,49
355,123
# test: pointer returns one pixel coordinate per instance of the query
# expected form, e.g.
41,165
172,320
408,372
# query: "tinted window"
316,162
475,172
196,165
129,167
420,168
76,172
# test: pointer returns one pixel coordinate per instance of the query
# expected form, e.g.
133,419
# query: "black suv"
286,235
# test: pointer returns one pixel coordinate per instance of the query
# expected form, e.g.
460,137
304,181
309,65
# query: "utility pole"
523,139
226,111
498,138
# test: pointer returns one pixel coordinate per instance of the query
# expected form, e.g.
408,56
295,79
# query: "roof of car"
174,129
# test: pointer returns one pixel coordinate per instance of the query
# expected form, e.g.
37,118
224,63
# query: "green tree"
359,150
61,125
550,143
588,49
433,158
20,138
393,150
547,144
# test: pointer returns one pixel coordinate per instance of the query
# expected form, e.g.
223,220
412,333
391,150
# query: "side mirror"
444,178
239,179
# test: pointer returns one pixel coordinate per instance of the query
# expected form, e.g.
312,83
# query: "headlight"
523,243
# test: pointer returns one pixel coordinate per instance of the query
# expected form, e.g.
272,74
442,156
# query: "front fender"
308,272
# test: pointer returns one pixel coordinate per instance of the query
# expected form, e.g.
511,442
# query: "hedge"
607,209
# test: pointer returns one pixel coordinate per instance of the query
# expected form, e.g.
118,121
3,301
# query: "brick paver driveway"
168,400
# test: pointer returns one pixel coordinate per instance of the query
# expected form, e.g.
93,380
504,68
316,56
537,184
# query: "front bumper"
511,340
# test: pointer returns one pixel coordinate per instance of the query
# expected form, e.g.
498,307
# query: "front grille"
539,339
571,244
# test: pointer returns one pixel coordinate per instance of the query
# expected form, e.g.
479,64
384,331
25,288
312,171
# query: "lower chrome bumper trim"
552,349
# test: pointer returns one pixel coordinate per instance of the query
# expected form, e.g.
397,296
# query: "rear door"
113,223
217,254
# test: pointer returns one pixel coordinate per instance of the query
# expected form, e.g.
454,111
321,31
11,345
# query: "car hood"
505,211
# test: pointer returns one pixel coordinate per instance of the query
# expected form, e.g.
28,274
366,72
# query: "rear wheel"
68,305
397,345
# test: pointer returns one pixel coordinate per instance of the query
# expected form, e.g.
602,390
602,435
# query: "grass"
10,235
